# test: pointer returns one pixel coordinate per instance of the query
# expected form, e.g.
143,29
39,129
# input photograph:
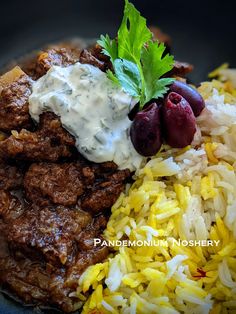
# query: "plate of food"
117,179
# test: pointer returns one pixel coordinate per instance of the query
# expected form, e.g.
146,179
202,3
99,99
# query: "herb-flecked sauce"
92,108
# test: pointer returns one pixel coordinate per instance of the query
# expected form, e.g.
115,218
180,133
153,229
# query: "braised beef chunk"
87,58
180,69
57,183
38,283
53,202
105,168
49,230
10,177
160,36
83,260
94,55
55,56
10,206
28,280
48,245
103,195
64,283
49,142
66,183
62,54
14,107
92,230
58,235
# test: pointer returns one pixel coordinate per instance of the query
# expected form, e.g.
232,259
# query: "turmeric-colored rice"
187,194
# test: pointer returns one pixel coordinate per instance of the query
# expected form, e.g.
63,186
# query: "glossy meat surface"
181,69
11,177
47,183
48,225
48,247
49,142
14,106
39,64
103,195
87,57
49,232
53,202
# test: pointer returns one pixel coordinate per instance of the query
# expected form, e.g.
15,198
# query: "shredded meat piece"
104,61
51,198
38,283
55,56
10,206
49,142
104,194
86,57
29,280
180,69
86,237
14,107
65,184
56,233
10,177
83,260
160,36
105,168
61,54
58,183
50,231
96,51
66,282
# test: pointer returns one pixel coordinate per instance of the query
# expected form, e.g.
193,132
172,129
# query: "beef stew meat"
10,207
14,111
67,183
39,64
47,183
49,142
49,235
86,57
56,56
46,250
48,232
180,69
11,177
104,194
53,202
160,36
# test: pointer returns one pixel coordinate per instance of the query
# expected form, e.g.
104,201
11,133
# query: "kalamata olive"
136,108
190,94
133,112
145,131
178,121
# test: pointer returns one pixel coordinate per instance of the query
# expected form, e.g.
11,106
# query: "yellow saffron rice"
183,195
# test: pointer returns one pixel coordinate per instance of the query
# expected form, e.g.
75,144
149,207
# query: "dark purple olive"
136,108
178,121
190,94
145,131
133,112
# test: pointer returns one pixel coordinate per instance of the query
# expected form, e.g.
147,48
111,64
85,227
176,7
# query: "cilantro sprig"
137,60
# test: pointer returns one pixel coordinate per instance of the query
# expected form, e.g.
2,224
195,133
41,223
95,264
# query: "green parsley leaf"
138,62
109,46
112,77
128,75
160,88
154,65
133,34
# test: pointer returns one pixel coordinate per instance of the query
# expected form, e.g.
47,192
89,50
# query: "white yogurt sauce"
92,108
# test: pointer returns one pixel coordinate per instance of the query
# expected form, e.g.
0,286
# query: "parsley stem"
142,95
